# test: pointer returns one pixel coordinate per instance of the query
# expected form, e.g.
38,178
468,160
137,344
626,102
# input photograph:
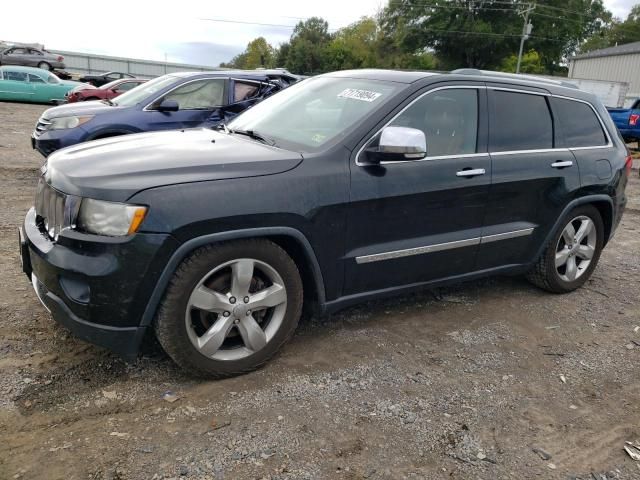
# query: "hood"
117,168
82,86
94,107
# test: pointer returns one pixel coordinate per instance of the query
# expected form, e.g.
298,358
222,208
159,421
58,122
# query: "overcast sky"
179,30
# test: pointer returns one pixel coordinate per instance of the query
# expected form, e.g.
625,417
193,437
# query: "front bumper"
49,141
97,288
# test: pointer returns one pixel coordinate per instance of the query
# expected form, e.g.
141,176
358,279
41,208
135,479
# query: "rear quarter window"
578,124
519,121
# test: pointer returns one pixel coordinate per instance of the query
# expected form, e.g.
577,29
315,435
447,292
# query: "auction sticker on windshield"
357,94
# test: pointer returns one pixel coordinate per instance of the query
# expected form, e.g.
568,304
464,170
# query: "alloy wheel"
236,309
576,247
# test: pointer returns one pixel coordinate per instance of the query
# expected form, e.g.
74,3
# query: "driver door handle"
472,172
562,164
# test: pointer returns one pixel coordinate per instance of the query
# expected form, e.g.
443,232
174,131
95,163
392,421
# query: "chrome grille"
42,126
54,210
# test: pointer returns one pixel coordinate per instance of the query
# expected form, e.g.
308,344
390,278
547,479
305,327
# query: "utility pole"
526,31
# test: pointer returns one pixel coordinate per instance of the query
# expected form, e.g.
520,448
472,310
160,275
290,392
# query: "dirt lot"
462,382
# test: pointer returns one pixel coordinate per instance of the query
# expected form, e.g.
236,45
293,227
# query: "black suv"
346,187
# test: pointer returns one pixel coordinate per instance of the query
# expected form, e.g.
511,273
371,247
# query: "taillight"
627,165
60,58
633,119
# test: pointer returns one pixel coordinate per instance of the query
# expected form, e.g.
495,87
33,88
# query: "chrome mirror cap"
406,141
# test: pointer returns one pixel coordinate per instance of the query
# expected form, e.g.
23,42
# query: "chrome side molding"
438,247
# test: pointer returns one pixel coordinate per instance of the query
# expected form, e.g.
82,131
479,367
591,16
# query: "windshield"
313,113
109,85
142,92
51,78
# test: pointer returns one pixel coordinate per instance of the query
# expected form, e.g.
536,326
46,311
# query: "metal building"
619,64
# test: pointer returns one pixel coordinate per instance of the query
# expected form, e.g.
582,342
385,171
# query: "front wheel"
572,254
44,66
230,307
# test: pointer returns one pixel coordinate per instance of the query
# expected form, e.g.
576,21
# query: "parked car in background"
27,84
110,90
99,80
628,121
343,188
177,100
31,57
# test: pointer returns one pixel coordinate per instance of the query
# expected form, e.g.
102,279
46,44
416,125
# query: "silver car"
31,57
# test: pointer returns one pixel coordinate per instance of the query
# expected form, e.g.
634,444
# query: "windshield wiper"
254,135
108,102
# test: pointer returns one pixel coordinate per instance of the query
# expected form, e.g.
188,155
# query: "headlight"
68,122
109,218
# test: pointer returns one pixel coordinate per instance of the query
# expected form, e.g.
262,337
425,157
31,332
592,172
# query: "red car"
105,92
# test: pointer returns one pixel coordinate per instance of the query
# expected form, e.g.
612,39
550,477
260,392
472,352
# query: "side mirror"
398,144
168,106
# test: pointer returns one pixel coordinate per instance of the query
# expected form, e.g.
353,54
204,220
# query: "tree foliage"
448,34
616,32
258,54
469,33
531,63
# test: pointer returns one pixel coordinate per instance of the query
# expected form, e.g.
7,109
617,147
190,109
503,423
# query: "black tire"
170,326
544,273
44,66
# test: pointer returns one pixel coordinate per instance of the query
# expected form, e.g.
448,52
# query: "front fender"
189,246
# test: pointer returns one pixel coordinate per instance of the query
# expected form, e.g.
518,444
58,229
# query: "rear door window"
578,123
35,79
243,91
519,121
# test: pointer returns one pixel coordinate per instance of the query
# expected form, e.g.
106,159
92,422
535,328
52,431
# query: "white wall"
617,68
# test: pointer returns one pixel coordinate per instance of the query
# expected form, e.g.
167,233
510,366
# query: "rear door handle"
471,172
564,164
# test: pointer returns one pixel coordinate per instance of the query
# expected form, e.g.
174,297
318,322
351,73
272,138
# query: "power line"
243,22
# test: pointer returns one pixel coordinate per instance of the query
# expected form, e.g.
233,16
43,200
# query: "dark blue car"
174,101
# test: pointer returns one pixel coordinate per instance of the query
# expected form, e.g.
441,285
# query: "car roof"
399,76
18,68
556,86
252,74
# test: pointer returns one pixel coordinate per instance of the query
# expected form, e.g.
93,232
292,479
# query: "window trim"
226,79
551,116
602,125
556,149
484,154
425,159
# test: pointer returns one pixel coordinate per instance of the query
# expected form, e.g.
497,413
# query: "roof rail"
514,76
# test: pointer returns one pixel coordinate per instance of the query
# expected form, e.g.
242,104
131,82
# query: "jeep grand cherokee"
346,187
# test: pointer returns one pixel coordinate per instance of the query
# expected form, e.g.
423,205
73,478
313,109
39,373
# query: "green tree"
307,47
469,33
257,54
281,54
353,46
616,32
531,63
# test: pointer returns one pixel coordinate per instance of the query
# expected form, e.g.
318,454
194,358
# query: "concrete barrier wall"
86,63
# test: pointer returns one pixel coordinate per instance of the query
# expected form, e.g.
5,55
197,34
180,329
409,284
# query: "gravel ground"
490,379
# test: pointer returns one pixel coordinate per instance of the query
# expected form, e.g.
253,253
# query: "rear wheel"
230,307
44,66
572,254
